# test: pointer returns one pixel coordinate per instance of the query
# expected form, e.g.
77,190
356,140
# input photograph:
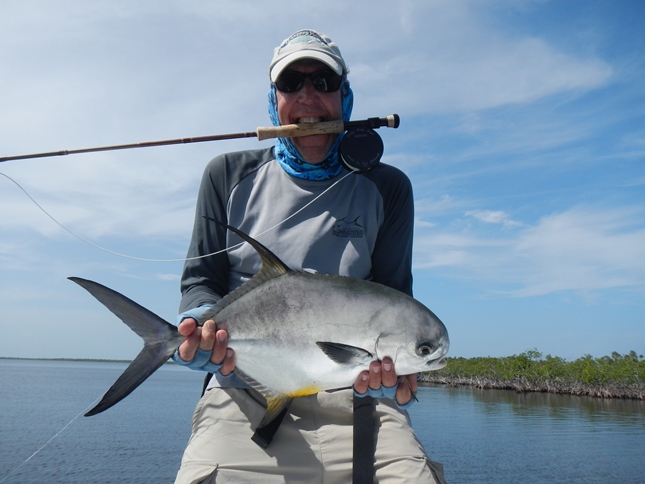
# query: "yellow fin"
304,391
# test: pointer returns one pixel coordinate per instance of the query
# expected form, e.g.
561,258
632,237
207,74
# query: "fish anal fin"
276,401
264,435
277,407
345,354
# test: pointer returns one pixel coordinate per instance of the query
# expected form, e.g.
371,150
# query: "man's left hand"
382,373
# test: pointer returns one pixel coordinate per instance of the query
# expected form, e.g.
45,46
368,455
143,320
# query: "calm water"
480,436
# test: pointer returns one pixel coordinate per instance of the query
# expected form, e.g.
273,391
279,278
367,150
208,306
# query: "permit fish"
294,333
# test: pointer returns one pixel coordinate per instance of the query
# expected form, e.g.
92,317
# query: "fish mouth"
436,364
437,359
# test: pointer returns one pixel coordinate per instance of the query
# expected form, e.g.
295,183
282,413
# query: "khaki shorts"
313,444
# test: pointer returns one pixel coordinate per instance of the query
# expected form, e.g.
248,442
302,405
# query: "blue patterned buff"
289,157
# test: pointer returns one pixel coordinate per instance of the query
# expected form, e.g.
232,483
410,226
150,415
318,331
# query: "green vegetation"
617,376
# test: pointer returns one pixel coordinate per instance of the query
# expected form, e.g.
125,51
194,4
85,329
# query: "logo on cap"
303,36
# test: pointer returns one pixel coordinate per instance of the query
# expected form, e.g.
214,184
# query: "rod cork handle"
303,129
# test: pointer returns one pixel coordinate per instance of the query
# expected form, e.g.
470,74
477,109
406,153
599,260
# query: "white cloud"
432,207
448,59
582,249
493,217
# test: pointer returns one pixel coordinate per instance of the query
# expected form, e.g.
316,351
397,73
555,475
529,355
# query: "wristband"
386,392
201,361
194,313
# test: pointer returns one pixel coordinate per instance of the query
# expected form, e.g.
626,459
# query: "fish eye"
424,349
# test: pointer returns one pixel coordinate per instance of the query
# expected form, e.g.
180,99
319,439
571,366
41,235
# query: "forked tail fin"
160,338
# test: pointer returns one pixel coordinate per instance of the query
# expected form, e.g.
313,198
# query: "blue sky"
523,132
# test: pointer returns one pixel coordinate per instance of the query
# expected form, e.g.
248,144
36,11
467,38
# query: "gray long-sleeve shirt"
361,228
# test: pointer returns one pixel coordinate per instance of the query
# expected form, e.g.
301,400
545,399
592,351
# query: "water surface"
480,436
499,436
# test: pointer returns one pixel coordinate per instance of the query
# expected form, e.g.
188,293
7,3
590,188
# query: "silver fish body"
294,333
299,318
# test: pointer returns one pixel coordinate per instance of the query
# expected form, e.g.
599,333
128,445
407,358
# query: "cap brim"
305,54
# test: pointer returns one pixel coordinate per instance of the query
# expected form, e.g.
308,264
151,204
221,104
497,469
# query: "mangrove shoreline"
614,376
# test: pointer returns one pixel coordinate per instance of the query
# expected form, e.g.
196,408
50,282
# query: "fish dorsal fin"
345,354
272,267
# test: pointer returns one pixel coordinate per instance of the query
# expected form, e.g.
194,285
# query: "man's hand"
382,373
206,338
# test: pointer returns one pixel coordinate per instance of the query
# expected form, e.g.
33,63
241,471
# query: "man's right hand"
206,338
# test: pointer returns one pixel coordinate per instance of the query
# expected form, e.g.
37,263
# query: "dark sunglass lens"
326,81
320,83
323,81
290,81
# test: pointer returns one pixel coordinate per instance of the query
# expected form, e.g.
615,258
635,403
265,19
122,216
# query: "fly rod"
286,131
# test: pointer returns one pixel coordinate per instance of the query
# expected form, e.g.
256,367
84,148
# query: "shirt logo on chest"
348,228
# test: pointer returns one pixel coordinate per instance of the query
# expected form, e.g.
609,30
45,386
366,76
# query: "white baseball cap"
306,44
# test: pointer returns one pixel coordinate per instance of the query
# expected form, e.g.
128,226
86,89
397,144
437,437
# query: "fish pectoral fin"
345,354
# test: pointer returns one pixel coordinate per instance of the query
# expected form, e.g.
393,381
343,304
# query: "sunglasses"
323,81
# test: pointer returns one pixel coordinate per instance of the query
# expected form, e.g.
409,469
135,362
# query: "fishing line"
51,439
360,150
125,256
144,260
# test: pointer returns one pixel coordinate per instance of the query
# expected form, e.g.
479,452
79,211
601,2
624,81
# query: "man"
259,192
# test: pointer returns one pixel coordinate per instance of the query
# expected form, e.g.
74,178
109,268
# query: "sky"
522,130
